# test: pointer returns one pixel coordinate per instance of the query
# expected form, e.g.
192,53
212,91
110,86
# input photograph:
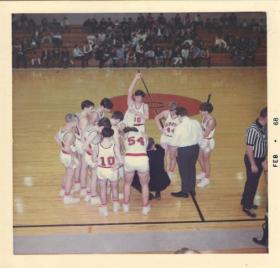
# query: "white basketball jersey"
61,134
170,124
135,143
106,156
88,131
204,126
138,120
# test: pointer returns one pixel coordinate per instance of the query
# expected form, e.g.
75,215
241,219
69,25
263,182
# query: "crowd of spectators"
146,41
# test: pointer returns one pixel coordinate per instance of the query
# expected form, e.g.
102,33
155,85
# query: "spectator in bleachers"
195,55
158,56
149,57
87,51
56,53
176,57
244,24
205,55
79,55
20,58
185,53
120,56
232,19
56,39
35,59
46,57
220,44
65,58
65,24
139,54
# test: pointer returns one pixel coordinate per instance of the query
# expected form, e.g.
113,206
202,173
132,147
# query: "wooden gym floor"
41,98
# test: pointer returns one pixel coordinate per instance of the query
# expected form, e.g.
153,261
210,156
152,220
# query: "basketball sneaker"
68,199
95,200
200,176
61,192
103,210
87,198
126,208
204,182
171,175
116,206
83,192
146,210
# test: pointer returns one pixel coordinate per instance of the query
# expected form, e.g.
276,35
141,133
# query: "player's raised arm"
131,87
162,115
57,139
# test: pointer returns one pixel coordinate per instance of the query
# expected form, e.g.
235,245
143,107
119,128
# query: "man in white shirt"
186,138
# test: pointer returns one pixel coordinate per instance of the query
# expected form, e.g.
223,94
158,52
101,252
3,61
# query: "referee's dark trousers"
186,158
252,182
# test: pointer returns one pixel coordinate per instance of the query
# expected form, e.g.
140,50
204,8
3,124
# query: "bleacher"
77,36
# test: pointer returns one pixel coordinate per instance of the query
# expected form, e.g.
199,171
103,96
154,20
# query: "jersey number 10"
110,161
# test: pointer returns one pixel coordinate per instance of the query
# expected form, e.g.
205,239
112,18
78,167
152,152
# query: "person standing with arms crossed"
186,137
255,161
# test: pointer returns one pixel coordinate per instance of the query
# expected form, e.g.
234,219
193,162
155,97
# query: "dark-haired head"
107,104
87,104
263,112
130,129
181,111
151,143
140,92
107,132
104,122
206,107
117,115
139,95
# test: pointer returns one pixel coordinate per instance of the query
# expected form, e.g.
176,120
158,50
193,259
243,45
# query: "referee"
255,161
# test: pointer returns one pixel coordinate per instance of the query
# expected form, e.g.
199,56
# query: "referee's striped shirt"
256,136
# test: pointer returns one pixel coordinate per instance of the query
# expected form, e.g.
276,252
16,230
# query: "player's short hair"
86,104
263,112
206,107
181,111
130,129
107,132
70,117
140,92
104,122
118,115
172,106
151,143
106,103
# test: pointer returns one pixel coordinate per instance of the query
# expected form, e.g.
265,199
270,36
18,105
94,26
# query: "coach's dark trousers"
186,159
252,182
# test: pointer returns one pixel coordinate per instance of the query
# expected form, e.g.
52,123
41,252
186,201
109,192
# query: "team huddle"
97,152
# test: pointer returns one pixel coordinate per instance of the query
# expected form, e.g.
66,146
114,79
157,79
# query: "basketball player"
87,107
118,126
167,131
93,139
106,105
136,160
137,112
207,144
108,157
65,137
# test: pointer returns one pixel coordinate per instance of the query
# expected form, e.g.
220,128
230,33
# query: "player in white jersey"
138,111
207,144
92,138
167,131
106,105
118,126
136,160
81,173
108,157
65,137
